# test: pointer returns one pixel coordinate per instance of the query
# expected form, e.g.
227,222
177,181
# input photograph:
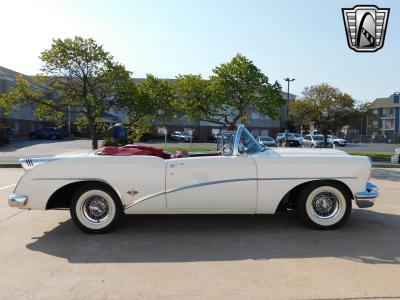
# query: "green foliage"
326,106
109,141
76,72
196,98
226,98
137,130
374,155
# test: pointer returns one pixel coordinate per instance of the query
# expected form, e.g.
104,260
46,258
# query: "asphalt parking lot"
44,256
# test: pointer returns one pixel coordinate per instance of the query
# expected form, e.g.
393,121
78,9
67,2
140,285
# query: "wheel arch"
290,197
62,196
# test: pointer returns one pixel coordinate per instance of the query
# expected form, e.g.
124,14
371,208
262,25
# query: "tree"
232,91
324,105
75,72
196,99
144,104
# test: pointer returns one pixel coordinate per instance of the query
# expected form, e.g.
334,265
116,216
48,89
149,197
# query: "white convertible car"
242,178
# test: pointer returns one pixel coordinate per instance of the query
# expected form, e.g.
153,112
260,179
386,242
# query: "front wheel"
324,205
95,208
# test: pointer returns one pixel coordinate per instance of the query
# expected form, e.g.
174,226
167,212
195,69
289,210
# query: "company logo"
365,27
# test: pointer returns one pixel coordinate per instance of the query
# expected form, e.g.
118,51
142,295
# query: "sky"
304,40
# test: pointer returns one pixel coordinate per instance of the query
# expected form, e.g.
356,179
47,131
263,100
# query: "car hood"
306,152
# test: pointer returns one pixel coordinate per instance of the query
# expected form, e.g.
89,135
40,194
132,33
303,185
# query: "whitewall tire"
324,205
95,208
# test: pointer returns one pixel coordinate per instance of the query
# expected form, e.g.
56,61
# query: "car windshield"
226,143
248,140
333,137
265,139
318,137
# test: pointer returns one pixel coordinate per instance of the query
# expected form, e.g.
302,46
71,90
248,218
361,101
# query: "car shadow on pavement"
368,237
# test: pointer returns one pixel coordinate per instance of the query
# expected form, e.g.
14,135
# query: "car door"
216,183
306,141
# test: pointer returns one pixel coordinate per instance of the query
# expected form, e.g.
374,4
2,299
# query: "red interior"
133,150
129,150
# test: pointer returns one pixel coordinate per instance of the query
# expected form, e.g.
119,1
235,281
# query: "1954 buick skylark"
241,178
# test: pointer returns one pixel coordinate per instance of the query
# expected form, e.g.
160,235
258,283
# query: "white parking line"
7,186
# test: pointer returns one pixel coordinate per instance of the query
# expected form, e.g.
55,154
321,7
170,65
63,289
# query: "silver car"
180,136
313,141
267,141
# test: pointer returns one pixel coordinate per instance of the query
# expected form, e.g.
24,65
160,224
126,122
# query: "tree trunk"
93,133
325,133
95,140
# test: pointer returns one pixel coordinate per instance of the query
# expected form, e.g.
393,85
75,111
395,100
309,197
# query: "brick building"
384,116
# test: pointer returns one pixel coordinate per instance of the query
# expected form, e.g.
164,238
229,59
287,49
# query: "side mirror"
242,149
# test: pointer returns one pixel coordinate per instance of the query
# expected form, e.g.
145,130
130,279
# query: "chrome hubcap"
95,209
325,205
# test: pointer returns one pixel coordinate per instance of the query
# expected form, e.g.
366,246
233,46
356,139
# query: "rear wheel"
95,208
324,205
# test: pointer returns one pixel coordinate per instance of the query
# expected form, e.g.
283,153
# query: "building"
22,120
384,116
202,131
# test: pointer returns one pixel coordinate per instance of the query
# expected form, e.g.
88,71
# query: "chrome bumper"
367,198
17,200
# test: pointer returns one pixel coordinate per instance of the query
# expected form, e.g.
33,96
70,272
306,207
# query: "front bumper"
17,200
367,198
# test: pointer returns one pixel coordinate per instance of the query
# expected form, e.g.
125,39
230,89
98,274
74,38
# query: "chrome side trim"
367,198
17,200
200,184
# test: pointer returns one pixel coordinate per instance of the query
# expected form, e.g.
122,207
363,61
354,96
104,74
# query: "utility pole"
287,106
69,121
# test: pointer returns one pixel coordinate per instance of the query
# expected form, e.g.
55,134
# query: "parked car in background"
266,140
214,137
334,140
313,141
396,156
180,136
299,137
47,133
291,139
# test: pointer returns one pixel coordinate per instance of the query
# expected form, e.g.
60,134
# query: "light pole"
287,106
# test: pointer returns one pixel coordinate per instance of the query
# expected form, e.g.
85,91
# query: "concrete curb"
3,166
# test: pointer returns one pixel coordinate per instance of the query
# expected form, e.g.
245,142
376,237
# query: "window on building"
388,124
375,124
375,112
388,112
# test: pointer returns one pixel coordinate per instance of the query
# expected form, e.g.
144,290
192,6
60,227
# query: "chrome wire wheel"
95,209
326,205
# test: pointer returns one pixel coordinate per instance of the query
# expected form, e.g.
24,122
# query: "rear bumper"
367,198
17,200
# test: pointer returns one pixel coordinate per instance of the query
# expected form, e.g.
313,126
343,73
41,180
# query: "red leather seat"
132,150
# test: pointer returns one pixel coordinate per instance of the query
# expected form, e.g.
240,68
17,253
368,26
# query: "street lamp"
287,110
287,104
